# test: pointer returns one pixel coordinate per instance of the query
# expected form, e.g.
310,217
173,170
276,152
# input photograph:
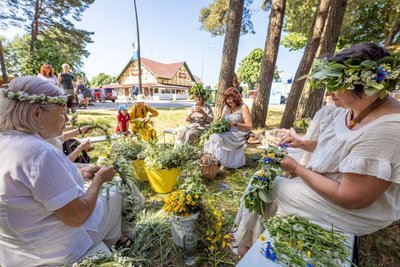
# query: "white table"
256,258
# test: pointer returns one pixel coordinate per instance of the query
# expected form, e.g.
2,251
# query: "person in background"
69,134
199,116
228,147
48,218
65,81
102,94
123,119
140,120
82,89
236,84
47,74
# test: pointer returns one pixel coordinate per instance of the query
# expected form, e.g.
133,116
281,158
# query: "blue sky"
169,32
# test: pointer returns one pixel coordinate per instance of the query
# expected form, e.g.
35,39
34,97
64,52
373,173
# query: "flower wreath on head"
199,90
38,99
374,76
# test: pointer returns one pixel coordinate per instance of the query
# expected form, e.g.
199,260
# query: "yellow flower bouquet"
182,203
186,200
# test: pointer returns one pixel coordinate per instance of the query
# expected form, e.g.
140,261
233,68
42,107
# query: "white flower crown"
38,99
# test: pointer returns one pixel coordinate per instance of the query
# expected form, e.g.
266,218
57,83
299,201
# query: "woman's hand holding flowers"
89,171
85,146
290,166
105,174
85,129
291,138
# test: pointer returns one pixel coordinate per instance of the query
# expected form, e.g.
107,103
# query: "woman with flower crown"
199,116
352,180
47,218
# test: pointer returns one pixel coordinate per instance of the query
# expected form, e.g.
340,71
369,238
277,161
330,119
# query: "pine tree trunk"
35,26
260,105
392,22
229,52
289,113
3,64
327,48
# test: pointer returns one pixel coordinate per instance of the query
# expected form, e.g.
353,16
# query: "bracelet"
79,130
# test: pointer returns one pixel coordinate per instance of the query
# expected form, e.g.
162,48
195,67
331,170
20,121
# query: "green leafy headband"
374,76
199,90
38,99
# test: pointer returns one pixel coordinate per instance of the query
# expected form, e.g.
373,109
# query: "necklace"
374,105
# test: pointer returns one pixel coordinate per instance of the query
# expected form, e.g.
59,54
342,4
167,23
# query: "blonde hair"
65,65
20,116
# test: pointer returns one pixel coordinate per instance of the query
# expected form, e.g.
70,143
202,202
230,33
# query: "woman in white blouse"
46,215
352,180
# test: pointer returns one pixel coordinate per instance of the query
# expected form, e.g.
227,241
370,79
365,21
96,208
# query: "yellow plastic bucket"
164,180
138,169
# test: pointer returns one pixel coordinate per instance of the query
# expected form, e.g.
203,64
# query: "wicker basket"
209,166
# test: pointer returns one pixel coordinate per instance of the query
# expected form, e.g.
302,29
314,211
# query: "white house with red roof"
159,81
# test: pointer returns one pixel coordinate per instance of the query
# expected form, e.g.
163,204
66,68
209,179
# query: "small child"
123,119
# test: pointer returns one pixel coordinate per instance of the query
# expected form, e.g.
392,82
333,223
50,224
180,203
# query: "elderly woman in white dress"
228,147
46,216
352,180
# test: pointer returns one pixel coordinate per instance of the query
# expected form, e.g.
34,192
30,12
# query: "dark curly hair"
234,93
361,51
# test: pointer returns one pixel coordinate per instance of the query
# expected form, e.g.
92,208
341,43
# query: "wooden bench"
255,256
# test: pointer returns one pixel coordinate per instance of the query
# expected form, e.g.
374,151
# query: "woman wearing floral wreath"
228,147
47,218
199,116
352,180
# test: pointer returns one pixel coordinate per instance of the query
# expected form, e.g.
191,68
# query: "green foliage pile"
165,156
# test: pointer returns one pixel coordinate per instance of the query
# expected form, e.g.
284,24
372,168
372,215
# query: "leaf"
264,196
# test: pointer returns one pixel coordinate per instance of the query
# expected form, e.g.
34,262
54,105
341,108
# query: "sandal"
124,242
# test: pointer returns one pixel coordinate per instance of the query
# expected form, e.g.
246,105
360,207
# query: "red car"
108,95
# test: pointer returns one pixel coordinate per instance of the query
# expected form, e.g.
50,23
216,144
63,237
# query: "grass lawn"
153,245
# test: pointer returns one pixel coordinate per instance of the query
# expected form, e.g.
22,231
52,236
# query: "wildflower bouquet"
187,199
219,127
262,180
298,242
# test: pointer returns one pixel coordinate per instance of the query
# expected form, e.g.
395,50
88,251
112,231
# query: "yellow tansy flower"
262,238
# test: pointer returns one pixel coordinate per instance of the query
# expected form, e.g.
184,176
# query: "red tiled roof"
162,70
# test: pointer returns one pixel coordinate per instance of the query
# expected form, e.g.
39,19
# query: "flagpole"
138,49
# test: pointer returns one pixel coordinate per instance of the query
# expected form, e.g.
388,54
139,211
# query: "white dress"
228,147
35,180
372,150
